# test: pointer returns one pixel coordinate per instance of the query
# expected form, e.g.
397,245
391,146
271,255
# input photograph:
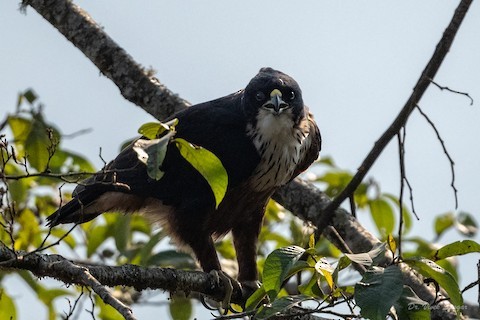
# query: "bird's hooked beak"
276,102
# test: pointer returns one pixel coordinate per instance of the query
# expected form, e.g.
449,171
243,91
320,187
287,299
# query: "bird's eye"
292,95
260,96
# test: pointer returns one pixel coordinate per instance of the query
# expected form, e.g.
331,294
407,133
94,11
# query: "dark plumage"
264,136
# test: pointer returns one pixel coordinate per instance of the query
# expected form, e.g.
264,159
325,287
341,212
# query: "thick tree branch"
423,82
57,267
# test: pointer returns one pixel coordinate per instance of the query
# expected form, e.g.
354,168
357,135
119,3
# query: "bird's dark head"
273,93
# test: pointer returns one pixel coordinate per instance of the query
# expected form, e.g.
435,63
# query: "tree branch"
423,82
96,276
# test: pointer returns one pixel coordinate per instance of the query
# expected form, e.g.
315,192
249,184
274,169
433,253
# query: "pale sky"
356,62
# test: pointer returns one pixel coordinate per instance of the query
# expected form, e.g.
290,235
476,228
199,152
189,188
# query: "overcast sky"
356,62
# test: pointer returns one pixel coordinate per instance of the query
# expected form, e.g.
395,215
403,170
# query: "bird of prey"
264,136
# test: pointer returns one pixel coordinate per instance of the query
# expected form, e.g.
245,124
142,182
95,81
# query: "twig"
424,81
401,156
445,151
453,91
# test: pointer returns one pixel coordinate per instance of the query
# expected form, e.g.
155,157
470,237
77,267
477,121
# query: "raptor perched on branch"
264,136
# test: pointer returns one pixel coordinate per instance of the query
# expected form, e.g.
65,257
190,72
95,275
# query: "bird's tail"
75,211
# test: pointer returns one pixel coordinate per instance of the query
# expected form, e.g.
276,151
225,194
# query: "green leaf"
311,288
277,267
378,282
7,306
457,248
208,165
79,163
383,216
254,300
30,95
150,130
68,239
466,224
122,232
153,130
410,306
107,312
20,127
443,222
407,215
180,308
172,258
96,236
36,145
152,153
432,270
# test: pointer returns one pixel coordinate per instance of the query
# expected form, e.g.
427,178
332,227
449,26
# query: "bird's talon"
228,284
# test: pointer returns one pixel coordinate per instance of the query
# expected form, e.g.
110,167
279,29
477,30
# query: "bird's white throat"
280,143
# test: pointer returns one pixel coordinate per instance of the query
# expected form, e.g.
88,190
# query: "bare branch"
140,278
452,163
423,82
453,91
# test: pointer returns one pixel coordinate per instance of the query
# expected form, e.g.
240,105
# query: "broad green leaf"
7,306
147,248
18,189
29,234
407,215
443,222
79,163
21,128
312,287
277,267
48,295
383,216
96,236
225,249
30,95
180,308
153,130
466,224
254,300
335,181
150,130
107,312
172,258
122,231
457,248
68,239
208,165
139,223
378,282
410,306
152,153
36,145
432,270
280,239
